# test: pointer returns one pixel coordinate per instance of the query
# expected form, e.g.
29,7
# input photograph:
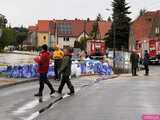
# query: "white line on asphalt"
26,107
33,116
36,114
30,105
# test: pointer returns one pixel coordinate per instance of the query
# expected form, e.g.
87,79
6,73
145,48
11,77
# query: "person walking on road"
134,59
146,62
57,56
65,70
43,65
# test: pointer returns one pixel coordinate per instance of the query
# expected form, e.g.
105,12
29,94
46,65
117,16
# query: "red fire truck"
153,47
96,47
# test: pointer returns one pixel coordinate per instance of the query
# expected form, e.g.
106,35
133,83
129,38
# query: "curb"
107,78
114,76
36,79
18,83
24,53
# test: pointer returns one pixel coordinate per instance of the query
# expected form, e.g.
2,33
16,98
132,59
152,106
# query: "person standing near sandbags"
65,70
43,65
134,59
57,56
146,63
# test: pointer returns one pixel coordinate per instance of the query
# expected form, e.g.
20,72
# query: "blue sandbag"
30,71
51,72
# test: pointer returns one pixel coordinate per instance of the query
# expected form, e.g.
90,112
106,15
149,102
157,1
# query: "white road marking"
33,116
30,105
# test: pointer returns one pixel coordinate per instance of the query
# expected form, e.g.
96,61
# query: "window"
44,37
157,30
65,46
66,39
64,28
149,19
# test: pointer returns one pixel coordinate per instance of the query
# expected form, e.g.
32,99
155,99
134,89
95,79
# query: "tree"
120,26
3,21
21,36
142,12
76,44
95,32
83,43
109,19
99,17
7,38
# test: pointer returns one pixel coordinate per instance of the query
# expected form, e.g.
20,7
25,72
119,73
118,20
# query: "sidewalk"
25,52
7,82
141,76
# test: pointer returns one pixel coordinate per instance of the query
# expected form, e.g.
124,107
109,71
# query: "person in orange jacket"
43,65
57,56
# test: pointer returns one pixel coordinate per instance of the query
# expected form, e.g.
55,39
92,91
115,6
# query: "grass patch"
1,65
3,75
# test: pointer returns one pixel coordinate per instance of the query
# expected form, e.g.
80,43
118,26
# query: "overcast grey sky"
27,12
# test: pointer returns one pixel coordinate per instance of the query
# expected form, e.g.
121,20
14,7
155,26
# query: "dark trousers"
146,67
134,71
66,80
44,80
57,65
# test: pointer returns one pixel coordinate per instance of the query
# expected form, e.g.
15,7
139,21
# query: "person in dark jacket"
146,63
134,59
43,65
65,70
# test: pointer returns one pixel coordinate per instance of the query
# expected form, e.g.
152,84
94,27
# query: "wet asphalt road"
18,102
124,98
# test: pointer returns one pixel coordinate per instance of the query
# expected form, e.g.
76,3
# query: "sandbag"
77,69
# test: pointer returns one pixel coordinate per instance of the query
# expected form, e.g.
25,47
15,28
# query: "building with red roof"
145,33
145,28
66,32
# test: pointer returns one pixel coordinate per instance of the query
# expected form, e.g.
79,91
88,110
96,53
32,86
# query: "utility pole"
114,41
56,33
114,46
84,29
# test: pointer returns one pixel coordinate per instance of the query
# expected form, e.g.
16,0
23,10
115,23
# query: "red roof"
144,26
71,28
75,27
43,26
32,28
80,26
104,27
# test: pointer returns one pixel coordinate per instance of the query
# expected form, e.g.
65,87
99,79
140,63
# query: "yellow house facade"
42,38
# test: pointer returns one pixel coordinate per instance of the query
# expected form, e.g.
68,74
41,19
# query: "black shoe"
71,93
146,74
57,91
135,75
40,100
52,92
38,95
